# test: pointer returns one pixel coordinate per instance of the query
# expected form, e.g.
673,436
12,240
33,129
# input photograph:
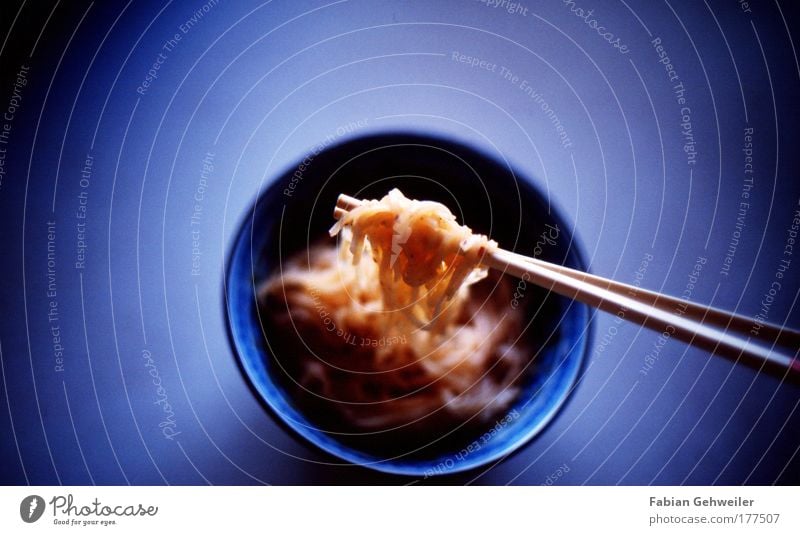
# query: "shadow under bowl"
489,197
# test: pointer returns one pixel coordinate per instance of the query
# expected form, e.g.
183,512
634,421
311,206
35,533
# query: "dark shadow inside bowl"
492,199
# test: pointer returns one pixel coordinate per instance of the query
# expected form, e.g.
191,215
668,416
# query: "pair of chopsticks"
776,349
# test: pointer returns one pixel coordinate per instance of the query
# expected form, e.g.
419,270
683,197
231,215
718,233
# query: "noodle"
389,328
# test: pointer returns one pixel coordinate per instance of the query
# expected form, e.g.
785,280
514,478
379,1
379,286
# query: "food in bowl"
397,326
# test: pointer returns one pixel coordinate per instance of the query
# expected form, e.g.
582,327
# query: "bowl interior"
492,199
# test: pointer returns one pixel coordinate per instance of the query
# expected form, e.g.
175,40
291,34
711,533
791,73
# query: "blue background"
258,85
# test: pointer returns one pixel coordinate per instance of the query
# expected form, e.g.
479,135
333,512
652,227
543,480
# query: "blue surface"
252,87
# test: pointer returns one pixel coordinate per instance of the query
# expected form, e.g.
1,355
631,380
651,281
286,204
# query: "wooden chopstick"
709,315
775,349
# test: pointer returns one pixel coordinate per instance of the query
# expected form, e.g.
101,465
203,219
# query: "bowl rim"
577,357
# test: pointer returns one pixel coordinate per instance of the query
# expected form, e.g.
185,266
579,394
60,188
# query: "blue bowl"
491,198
